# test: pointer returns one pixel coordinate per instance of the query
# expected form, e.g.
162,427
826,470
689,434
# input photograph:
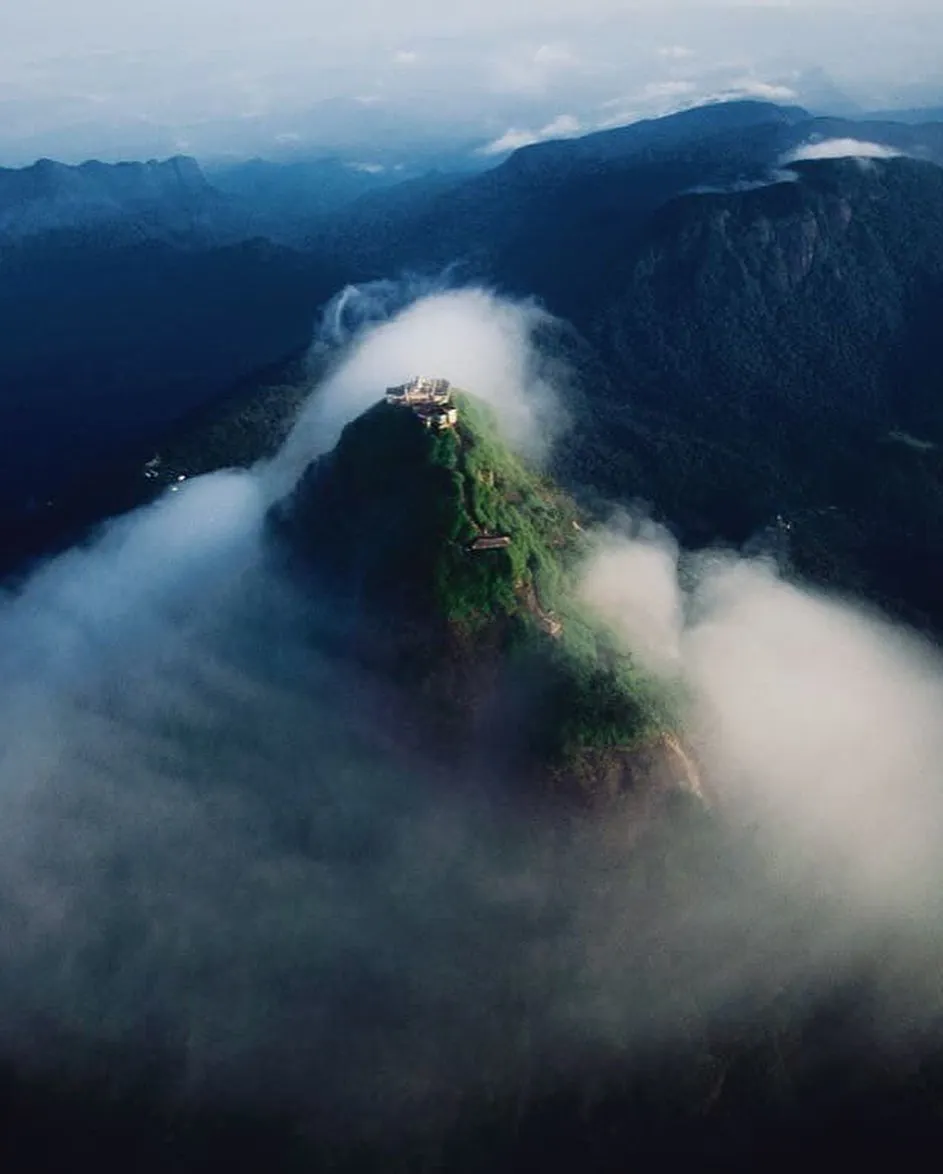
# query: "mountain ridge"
593,195
156,197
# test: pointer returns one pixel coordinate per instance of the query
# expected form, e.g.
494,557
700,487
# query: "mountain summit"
451,567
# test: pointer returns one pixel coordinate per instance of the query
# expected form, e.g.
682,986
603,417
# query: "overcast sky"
114,77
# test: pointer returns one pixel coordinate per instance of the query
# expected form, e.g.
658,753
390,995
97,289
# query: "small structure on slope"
489,542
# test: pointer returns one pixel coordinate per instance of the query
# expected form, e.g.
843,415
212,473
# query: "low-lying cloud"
217,856
218,860
814,720
776,176
841,149
385,333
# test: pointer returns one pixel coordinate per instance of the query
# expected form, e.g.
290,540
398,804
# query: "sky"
240,77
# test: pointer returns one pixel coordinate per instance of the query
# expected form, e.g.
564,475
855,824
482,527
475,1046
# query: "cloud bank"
217,858
841,149
815,720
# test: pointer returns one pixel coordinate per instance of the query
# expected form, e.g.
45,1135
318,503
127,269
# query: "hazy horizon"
238,78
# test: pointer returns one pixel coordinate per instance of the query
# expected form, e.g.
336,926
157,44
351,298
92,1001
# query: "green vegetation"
592,694
501,496
399,507
389,520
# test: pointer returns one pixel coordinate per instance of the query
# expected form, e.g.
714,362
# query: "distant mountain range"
155,199
725,142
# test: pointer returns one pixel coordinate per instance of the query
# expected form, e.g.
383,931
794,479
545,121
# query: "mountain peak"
416,486
451,566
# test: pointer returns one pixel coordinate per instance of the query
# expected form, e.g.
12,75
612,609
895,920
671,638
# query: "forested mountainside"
773,360
558,219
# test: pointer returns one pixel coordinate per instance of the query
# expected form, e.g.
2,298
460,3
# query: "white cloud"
777,176
392,330
654,99
621,117
750,87
405,57
813,718
554,55
841,149
670,95
367,168
564,126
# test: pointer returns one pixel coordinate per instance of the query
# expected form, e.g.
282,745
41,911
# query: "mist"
481,343
218,859
841,149
815,720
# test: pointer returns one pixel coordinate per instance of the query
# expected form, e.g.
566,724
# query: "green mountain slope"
452,566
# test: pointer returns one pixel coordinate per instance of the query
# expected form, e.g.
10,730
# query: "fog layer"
216,856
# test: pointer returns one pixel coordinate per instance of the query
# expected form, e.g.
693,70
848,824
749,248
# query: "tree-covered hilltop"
399,507
453,564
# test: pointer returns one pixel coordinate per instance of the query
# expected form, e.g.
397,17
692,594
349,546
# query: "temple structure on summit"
430,400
